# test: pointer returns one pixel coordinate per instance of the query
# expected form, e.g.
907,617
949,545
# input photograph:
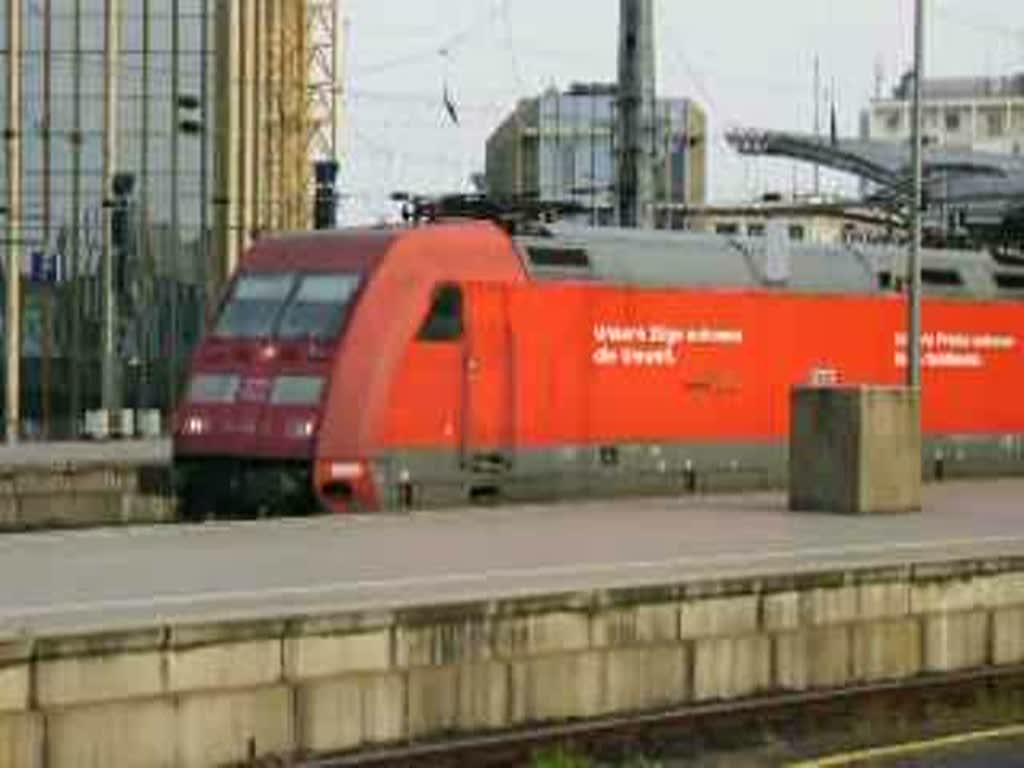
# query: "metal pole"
817,121
47,297
636,96
13,314
172,384
914,264
75,406
149,309
110,310
205,300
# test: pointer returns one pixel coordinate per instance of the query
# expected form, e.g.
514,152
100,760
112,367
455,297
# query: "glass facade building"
163,89
563,147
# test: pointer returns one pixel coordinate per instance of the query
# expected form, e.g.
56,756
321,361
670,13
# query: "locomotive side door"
488,394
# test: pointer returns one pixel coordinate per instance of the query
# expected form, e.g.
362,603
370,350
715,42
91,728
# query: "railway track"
775,730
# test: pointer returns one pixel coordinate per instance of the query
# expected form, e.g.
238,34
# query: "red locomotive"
431,365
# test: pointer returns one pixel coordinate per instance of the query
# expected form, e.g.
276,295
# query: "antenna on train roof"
515,216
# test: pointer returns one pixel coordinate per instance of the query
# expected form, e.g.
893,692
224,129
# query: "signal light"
325,204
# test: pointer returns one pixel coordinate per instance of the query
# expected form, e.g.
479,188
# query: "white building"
979,114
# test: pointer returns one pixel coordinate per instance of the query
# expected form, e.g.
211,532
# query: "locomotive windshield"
318,306
255,305
287,306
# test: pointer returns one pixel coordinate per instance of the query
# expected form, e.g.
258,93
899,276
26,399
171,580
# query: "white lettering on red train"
655,345
954,350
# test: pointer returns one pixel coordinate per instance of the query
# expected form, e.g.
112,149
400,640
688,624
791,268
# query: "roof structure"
988,187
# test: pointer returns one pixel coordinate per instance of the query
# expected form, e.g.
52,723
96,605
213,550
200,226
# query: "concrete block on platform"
483,696
132,734
883,601
433,701
855,450
781,612
454,642
955,641
530,635
309,658
384,709
329,715
231,665
351,711
719,617
949,596
561,687
1006,589
833,605
10,517
886,650
731,667
636,625
21,740
14,686
813,658
637,679
96,679
1008,636
231,728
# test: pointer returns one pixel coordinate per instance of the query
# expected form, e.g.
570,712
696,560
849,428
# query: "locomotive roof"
677,259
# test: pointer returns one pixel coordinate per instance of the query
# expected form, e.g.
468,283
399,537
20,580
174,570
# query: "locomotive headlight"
302,429
194,426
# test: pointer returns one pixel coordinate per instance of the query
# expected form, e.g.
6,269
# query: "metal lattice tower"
326,78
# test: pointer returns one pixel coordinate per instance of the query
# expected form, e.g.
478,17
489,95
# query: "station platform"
232,642
116,577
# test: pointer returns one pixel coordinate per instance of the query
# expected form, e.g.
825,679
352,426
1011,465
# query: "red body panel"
578,364
381,333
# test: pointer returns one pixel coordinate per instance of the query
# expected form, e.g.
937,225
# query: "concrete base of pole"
855,450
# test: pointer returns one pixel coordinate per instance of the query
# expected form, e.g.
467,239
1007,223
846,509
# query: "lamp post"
914,263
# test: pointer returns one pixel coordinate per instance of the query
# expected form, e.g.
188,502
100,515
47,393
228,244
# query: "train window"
213,388
947,277
318,307
254,306
558,257
297,390
444,323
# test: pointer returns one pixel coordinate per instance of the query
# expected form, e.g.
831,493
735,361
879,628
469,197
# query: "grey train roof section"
658,258
990,186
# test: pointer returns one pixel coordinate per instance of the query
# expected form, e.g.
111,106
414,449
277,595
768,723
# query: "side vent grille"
948,278
1009,281
559,258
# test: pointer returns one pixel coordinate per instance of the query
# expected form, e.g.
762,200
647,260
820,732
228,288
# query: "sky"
748,62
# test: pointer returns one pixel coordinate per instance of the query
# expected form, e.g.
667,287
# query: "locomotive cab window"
444,322
318,307
255,304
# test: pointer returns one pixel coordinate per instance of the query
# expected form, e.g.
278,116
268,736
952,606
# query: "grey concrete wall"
33,498
855,450
207,695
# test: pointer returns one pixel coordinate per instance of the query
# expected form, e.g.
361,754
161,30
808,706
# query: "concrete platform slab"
68,581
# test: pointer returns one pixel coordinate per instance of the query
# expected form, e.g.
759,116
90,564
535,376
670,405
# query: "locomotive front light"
302,429
194,426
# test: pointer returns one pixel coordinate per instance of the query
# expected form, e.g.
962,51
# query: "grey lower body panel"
425,478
